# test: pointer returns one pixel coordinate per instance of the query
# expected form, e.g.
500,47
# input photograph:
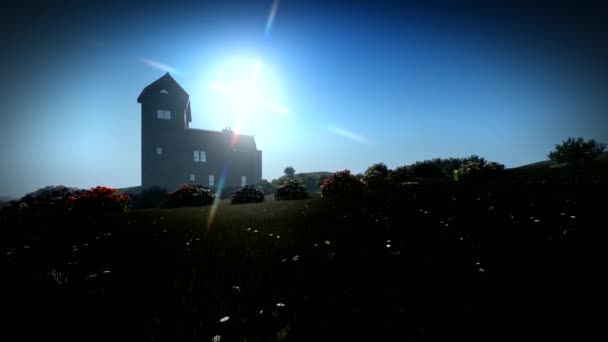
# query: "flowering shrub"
290,190
478,171
342,184
248,194
190,195
55,198
377,176
100,199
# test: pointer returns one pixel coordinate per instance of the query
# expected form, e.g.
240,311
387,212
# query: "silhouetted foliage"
377,176
289,172
342,184
576,151
190,195
478,171
247,194
401,174
292,189
265,186
152,197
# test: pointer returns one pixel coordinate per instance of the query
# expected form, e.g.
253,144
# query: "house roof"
169,84
244,143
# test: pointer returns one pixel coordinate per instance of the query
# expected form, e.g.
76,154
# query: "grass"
426,262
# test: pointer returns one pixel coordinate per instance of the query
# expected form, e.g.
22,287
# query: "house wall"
176,163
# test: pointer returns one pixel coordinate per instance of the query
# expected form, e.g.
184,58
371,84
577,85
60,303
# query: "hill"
549,171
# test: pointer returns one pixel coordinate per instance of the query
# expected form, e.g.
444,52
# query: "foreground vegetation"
419,261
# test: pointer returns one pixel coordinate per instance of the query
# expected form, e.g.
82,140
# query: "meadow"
419,262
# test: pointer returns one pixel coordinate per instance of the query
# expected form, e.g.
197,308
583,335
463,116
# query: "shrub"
427,169
190,195
576,151
265,186
478,171
100,200
377,176
342,184
401,174
54,198
290,190
152,197
247,194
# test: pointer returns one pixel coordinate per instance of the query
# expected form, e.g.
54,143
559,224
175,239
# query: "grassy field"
424,262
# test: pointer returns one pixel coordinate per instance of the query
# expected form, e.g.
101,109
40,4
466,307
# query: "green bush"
265,186
478,171
342,184
247,194
576,151
190,195
401,174
292,189
377,176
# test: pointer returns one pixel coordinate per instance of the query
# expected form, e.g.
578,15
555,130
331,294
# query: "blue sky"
356,83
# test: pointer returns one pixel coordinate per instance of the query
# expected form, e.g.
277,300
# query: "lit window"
243,180
211,180
192,178
163,114
159,150
164,91
196,156
203,156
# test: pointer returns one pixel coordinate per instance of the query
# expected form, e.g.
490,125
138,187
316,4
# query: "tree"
289,172
575,151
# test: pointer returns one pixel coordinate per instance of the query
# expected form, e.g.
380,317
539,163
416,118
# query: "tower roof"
167,83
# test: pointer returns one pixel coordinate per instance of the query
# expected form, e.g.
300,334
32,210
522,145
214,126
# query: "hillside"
549,171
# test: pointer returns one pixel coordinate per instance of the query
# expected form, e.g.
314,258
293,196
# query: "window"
211,180
192,178
164,91
200,156
163,114
243,180
159,150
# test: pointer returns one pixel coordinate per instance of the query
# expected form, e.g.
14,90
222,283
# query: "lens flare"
216,201
159,66
348,134
271,15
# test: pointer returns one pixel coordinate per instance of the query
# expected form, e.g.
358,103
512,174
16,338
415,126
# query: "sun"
244,91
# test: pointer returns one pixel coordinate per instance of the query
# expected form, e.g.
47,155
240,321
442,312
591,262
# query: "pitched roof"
167,82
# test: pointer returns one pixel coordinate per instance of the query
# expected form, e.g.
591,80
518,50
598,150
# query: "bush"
478,171
190,195
152,197
576,151
292,189
342,184
247,194
56,199
401,174
377,176
427,169
265,186
100,200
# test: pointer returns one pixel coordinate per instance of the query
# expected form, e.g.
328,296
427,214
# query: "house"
172,153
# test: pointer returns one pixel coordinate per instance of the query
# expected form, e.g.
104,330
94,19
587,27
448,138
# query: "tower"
165,114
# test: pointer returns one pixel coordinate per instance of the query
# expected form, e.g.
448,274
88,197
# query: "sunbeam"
160,66
348,134
271,15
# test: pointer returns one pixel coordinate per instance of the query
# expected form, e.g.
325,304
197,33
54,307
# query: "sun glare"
244,92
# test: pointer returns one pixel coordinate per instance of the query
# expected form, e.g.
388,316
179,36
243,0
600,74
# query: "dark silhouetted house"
172,153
